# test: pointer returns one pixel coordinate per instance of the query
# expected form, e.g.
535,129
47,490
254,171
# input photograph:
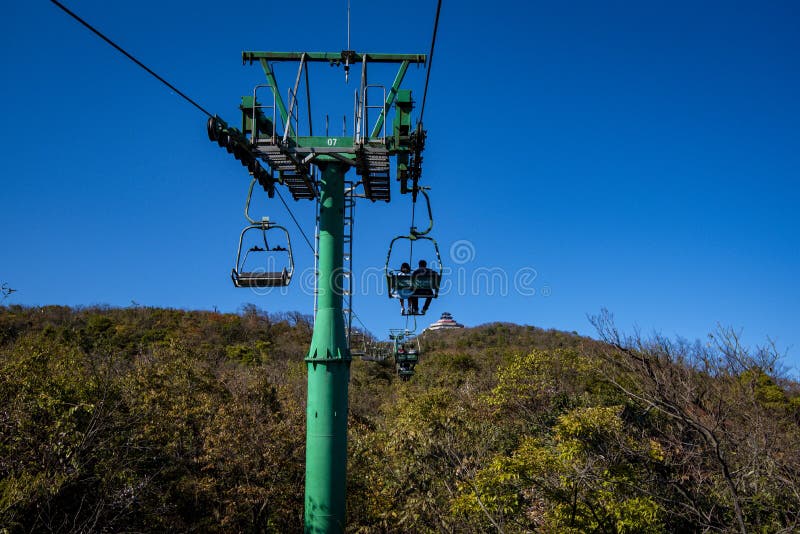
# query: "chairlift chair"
256,267
377,351
405,285
358,343
406,355
409,285
261,272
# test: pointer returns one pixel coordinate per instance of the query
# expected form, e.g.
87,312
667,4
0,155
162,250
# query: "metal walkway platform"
293,173
372,164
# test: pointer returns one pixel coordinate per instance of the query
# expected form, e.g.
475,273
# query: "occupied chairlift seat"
404,285
406,356
415,284
420,285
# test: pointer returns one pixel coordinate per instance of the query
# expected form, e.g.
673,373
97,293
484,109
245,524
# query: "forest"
152,420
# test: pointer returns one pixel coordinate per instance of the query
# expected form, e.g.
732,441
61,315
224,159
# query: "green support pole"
328,370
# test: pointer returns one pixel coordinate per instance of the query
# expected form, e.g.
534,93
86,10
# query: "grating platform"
372,164
294,174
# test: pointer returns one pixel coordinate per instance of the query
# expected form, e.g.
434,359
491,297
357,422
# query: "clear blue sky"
638,156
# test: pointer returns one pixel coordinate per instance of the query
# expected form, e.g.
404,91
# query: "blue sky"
637,156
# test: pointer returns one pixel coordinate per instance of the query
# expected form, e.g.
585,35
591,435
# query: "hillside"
145,419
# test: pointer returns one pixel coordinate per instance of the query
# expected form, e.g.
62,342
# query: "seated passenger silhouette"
404,293
422,272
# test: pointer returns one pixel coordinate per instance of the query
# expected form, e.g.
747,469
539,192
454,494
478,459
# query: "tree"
570,460
707,404
581,477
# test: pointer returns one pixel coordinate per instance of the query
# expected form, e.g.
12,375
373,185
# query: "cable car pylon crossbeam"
290,155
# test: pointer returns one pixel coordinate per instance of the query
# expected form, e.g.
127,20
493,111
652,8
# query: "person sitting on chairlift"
405,269
421,272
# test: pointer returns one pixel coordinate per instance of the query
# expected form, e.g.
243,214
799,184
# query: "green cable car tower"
268,144
314,168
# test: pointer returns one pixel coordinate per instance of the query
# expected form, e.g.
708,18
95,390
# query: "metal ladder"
347,258
316,259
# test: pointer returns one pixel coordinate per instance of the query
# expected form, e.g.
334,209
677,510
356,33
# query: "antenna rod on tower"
347,59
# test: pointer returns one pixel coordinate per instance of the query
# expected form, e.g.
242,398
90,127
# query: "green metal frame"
333,57
390,97
328,365
273,83
296,143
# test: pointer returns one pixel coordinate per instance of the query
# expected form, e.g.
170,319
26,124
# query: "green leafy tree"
566,455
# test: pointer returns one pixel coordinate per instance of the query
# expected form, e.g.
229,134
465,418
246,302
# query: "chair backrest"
428,280
404,285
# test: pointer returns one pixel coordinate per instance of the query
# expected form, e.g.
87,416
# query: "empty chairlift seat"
262,265
261,279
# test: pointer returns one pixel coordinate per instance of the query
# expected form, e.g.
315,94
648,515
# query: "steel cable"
430,61
129,56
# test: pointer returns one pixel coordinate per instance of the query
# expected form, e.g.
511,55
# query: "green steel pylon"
328,370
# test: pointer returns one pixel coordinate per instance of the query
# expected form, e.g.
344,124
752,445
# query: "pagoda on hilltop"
445,322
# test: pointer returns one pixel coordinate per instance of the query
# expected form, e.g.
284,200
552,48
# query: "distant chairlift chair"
406,356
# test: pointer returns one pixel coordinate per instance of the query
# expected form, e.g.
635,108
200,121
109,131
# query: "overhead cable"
295,221
430,61
165,82
366,330
129,56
